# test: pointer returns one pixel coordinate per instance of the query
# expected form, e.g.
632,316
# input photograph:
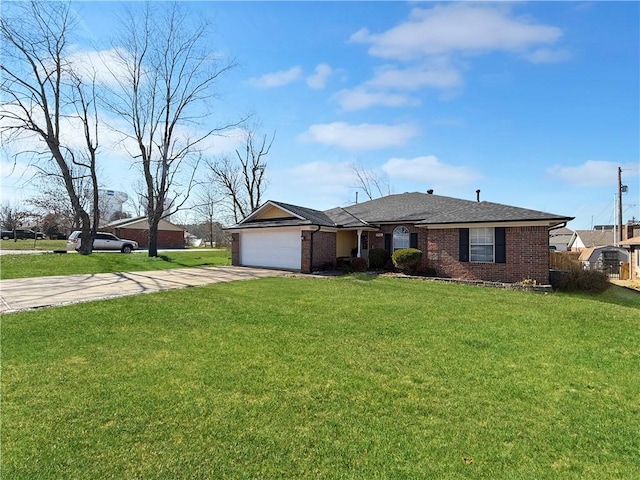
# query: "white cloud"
364,136
457,27
360,98
592,173
438,74
429,170
331,183
319,79
547,55
277,79
106,66
329,177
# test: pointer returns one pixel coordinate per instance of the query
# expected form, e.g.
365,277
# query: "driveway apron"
40,292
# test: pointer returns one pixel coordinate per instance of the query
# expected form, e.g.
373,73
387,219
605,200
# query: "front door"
364,245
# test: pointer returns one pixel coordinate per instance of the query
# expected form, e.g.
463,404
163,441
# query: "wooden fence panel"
624,271
564,260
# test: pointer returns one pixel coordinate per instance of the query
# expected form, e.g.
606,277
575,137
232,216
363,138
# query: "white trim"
270,203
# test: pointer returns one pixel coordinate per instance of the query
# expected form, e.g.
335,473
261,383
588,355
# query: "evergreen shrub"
407,259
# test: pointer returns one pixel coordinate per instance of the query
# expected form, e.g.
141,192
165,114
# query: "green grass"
27,244
47,264
325,378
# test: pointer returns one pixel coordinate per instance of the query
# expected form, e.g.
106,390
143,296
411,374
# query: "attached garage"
271,248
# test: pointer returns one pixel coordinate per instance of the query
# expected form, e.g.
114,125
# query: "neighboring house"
169,235
559,239
458,238
633,246
590,238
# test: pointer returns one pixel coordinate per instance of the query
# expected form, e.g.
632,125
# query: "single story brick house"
169,235
458,238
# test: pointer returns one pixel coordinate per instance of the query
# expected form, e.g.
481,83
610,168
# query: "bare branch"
370,182
43,93
168,87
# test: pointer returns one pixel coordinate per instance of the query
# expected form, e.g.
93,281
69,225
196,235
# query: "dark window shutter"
413,240
501,245
464,245
387,242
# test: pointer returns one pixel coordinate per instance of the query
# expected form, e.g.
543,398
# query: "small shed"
605,258
169,234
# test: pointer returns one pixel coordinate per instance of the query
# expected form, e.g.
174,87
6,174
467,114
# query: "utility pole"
620,233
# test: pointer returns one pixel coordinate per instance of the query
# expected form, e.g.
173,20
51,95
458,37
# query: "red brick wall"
324,250
235,249
378,242
166,238
527,256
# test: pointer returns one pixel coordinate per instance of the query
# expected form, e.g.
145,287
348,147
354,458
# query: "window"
400,238
481,243
364,241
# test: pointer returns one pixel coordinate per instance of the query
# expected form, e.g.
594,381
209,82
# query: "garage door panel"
277,248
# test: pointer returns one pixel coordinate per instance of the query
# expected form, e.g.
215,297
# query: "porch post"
359,243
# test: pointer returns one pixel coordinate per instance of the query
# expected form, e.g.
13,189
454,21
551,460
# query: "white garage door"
274,248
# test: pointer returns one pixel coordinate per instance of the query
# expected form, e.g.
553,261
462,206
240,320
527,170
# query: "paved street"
29,293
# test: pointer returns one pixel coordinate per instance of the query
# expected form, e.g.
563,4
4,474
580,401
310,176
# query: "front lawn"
350,377
47,264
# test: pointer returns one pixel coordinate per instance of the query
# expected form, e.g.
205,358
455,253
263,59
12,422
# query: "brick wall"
378,242
235,248
166,238
324,250
527,256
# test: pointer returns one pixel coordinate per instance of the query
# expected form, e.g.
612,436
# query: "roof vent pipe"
478,195
430,191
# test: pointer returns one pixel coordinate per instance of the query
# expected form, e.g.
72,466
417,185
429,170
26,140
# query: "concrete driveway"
29,293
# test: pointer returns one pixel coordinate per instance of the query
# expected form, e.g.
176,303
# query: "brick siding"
324,251
166,238
527,254
235,249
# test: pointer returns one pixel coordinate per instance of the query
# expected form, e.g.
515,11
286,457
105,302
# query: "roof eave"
499,223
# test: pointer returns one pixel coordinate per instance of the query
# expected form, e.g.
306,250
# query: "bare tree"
241,180
52,199
45,98
12,217
370,182
165,75
208,208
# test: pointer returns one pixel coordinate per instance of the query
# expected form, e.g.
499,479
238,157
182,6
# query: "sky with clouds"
536,104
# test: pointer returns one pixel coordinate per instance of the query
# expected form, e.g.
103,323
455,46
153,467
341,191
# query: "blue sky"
535,104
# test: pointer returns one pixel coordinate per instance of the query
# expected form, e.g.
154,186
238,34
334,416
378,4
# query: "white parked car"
103,241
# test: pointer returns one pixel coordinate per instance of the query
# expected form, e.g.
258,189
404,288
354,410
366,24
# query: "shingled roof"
428,209
595,238
418,208
306,216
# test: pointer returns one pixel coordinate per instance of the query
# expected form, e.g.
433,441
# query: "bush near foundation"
359,264
407,259
587,281
378,258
